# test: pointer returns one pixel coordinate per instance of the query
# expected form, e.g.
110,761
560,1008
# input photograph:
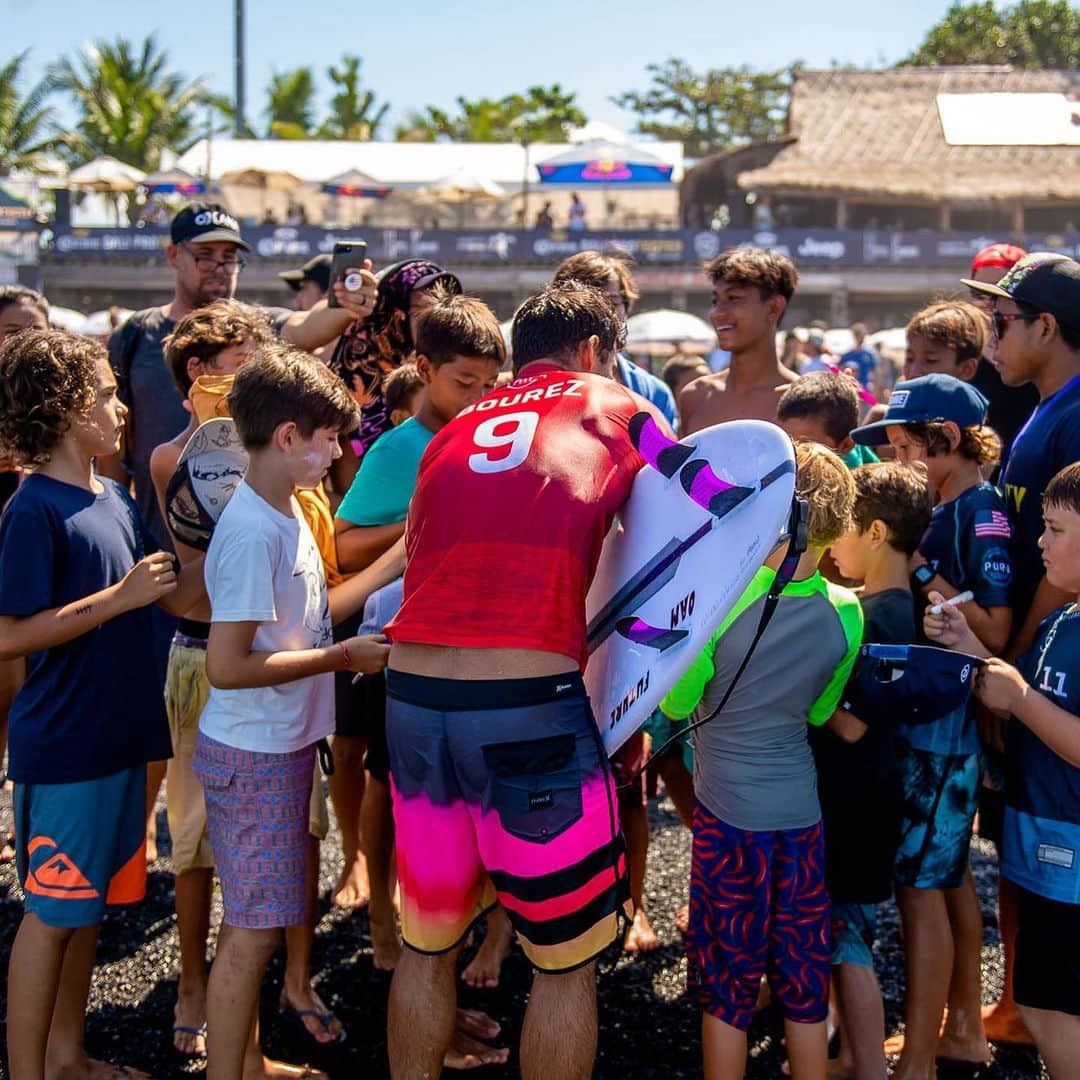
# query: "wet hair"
207,331
1063,490
279,385
825,482
20,294
553,324
46,380
954,324
679,366
770,273
822,395
400,385
459,326
898,497
597,269
979,443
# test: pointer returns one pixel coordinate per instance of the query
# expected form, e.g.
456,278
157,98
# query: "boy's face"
740,315
226,362
1060,545
811,429
1017,352
459,382
99,432
851,553
925,356
21,316
307,461
914,454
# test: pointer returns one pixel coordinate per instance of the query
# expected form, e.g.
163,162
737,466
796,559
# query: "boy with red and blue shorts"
758,903
78,570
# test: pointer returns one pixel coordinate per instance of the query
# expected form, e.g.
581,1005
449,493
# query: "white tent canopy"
665,326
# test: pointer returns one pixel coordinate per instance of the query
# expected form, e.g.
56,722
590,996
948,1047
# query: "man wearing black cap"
310,283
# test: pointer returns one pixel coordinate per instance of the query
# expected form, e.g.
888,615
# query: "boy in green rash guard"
459,351
758,904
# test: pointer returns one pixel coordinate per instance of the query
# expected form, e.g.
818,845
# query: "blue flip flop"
185,1030
296,1016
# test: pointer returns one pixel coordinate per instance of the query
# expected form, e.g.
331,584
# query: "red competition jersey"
513,500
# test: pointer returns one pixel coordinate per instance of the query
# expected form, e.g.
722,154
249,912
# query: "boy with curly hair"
758,904
78,570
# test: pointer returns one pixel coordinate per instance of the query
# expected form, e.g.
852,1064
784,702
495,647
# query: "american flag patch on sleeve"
992,523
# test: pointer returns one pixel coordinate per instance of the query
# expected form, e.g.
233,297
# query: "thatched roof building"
879,136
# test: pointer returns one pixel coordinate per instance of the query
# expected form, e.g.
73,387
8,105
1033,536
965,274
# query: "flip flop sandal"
295,1017
183,1029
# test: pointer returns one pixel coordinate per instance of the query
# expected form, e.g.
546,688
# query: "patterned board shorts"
940,796
502,791
758,906
257,818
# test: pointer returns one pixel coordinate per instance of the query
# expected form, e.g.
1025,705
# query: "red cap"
1003,255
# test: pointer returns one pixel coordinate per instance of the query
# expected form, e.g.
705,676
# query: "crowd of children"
467,764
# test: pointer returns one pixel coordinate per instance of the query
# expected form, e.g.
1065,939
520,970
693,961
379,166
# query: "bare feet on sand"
682,919
483,970
7,848
1004,1024
386,943
466,1051
151,841
641,937
352,891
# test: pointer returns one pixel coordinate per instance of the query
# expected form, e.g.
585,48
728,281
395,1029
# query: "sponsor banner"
807,247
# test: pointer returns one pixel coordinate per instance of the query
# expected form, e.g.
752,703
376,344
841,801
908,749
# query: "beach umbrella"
262,179
353,184
463,188
669,328
105,175
173,182
604,163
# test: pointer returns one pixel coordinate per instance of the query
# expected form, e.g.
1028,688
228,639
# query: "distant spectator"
816,357
862,359
22,308
681,369
545,222
310,282
577,214
792,350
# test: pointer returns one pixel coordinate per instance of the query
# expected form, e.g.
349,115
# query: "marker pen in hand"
956,601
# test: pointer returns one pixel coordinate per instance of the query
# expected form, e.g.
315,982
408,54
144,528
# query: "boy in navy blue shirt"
77,571
1041,853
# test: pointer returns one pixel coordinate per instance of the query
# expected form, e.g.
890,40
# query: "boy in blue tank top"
1041,854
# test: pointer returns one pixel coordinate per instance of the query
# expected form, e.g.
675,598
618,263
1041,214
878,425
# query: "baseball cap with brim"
211,466
316,269
928,399
206,223
912,684
998,256
1044,280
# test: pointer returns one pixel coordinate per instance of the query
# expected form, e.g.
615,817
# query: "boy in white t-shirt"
270,661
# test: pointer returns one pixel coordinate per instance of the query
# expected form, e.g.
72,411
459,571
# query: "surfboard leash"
797,543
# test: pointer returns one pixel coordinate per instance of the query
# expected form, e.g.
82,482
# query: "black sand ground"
647,1026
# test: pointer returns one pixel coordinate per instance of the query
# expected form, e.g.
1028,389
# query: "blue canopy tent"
604,164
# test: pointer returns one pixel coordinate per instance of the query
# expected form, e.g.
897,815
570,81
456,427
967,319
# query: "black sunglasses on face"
1001,321
207,264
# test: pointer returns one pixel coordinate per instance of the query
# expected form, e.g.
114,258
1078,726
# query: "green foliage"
712,110
290,108
1028,34
129,104
24,120
353,114
540,114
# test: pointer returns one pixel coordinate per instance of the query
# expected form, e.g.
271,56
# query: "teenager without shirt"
751,290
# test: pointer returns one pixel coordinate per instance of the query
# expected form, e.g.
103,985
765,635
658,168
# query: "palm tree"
291,104
130,105
24,120
352,112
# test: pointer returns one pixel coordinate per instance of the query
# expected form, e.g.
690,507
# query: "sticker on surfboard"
700,520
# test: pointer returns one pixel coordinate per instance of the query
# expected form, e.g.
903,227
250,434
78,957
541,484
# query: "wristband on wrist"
345,655
923,575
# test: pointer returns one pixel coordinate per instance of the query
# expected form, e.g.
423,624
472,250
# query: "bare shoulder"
165,459
701,389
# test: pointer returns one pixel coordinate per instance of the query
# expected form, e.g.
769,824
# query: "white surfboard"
700,521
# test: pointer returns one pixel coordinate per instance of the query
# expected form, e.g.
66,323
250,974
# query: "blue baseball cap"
927,400
914,684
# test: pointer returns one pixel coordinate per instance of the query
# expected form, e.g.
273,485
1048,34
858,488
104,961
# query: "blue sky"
429,51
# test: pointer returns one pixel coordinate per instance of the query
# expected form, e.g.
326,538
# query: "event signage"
808,247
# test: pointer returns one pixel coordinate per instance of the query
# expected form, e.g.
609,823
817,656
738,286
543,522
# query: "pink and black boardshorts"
502,792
